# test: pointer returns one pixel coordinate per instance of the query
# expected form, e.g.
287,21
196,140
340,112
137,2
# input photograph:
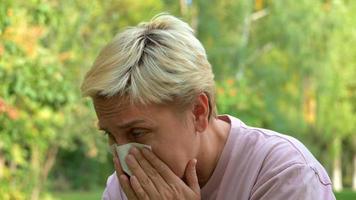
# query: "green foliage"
234,98
292,66
40,106
77,195
66,174
279,64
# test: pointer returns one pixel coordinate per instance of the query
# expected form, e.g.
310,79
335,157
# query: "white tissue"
123,150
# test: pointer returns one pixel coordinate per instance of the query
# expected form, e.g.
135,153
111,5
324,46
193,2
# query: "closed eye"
138,133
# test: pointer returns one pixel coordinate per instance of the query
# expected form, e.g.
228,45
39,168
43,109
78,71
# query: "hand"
153,179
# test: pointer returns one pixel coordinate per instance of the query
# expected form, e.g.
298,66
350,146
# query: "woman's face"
171,135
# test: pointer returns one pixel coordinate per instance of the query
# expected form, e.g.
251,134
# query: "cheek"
176,148
176,163
176,156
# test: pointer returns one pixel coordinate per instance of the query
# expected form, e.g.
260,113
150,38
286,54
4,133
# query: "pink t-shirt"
258,164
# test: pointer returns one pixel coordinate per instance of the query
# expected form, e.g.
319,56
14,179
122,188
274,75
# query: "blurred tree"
39,107
279,64
43,46
292,68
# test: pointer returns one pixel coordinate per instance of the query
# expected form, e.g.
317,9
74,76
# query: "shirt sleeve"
113,189
297,181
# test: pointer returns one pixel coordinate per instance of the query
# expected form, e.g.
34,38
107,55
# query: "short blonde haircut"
159,61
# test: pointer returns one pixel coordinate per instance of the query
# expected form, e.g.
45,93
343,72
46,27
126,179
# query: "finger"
191,176
138,189
143,180
165,172
123,180
117,164
157,180
126,186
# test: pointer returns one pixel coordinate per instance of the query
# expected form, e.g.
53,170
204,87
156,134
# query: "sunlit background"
284,65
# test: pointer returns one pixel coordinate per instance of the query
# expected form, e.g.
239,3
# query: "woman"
153,85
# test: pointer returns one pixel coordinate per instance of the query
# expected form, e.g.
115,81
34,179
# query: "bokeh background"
284,65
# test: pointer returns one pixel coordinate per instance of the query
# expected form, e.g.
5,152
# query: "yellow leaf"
17,154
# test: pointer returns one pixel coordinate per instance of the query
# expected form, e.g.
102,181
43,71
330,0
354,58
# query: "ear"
201,112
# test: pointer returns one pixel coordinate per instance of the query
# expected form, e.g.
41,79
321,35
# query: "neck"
211,146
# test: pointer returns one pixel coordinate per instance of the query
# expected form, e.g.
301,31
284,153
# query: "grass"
96,195
345,195
78,195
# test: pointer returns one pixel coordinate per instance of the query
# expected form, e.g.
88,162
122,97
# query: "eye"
137,133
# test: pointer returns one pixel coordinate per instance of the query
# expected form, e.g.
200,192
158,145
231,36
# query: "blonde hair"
154,62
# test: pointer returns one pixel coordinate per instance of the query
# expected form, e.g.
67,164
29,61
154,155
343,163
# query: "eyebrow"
125,125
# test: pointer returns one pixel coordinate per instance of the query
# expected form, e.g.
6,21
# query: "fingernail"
148,148
133,150
145,150
130,159
133,179
123,177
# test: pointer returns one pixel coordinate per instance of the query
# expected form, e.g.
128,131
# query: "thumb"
191,176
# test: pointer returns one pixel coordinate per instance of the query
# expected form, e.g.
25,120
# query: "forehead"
107,104
116,111
113,107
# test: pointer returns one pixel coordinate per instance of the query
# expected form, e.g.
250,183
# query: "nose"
121,140
117,141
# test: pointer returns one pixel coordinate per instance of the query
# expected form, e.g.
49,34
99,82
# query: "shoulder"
280,152
266,145
277,162
268,148
297,181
